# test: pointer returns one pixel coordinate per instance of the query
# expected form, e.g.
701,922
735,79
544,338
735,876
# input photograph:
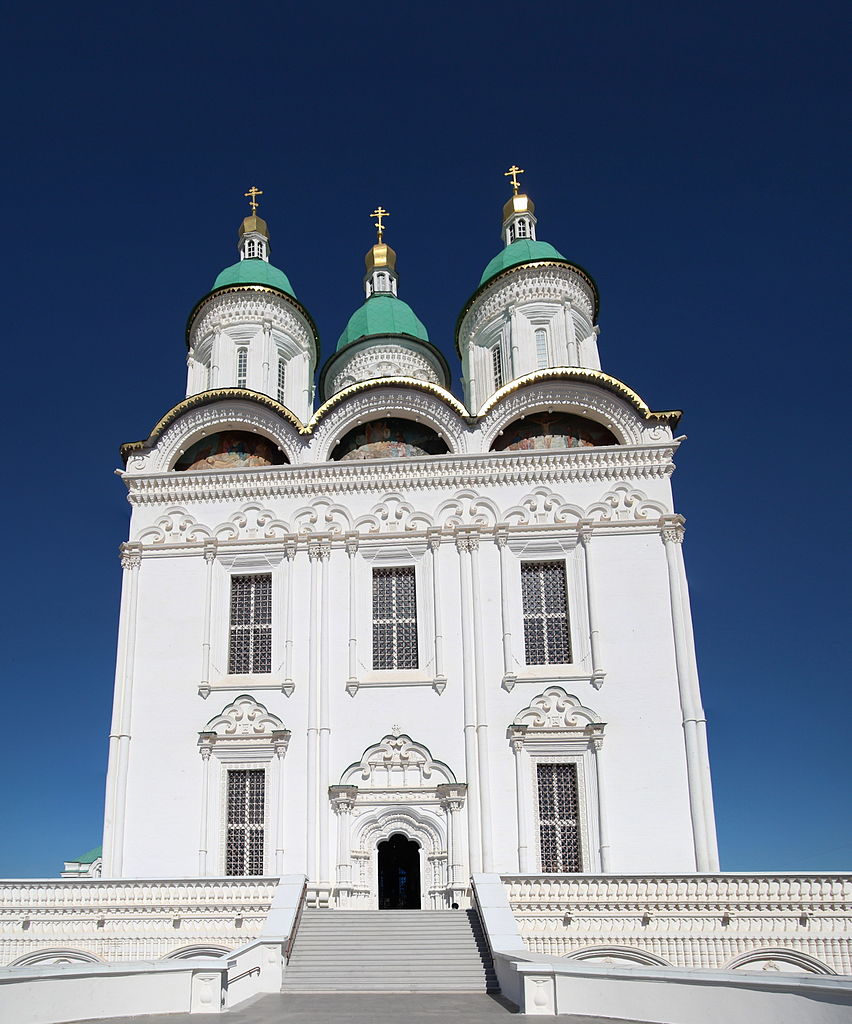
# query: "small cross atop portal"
513,173
379,213
251,195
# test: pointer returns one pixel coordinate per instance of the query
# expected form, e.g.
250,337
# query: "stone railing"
777,922
92,920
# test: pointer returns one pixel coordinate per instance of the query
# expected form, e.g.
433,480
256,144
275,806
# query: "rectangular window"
282,379
394,618
242,367
244,841
558,818
250,641
547,634
497,365
541,348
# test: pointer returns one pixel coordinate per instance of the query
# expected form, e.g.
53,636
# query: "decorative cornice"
381,382
579,373
439,472
229,289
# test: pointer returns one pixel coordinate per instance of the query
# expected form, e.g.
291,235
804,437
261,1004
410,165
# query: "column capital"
672,529
501,537
280,742
291,546
319,549
210,549
517,734
352,540
434,538
342,798
452,795
131,555
467,541
585,531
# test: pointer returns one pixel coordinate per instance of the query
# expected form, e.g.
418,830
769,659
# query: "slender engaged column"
516,741
571,336
512,371
501,538
131,560
440,680
603,826
205,809
280,740
452,801
474,841
351,551
594,636
209,562
288,686
342,800
672,533
481,710
313,715
324,721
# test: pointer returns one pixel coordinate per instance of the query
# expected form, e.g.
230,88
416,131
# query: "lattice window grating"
242,367
245,821
394,618
558,817
250,640
541,347
547,632
282,378
497,366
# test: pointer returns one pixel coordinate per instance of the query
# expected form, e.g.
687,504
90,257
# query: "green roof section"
254,271
525,250
382,314
87,858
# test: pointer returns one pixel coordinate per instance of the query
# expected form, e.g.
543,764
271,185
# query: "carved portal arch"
397,762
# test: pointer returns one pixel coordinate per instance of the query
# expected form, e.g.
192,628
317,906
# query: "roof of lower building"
87,858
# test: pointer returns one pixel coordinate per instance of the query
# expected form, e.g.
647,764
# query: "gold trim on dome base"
379,382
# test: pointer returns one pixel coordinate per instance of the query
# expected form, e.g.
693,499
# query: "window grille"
394,618
497,366
242,367
541,347
250,646
522,228
244,840
558,818
282,378
251,249
547,634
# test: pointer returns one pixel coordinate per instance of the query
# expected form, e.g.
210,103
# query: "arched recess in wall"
626,955
197,951
389,437
549,429
56,956
780,961
230,449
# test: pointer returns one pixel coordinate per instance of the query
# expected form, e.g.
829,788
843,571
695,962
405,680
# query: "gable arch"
58,955
778,959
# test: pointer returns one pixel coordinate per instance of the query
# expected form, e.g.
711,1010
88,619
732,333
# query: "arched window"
282,378
251,249
497,366
523,230
541,347
242,367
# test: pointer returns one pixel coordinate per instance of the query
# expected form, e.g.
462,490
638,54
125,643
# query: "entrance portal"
399,873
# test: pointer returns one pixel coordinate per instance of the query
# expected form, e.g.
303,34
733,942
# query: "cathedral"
390,637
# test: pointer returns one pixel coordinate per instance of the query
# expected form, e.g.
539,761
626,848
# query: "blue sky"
688,155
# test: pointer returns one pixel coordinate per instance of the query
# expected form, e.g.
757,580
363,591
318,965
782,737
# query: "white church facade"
391,612
387,648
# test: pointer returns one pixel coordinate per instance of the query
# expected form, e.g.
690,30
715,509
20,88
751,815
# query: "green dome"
254,271
382,314
523,251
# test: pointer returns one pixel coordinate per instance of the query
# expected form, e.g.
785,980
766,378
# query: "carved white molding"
623,503
383,360
232,309
377,403
244,718
397,762
555,710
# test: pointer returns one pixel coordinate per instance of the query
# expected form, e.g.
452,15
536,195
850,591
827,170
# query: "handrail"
291,938
245,974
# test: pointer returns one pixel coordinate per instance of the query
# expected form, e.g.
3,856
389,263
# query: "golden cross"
251,195
379,213
513,173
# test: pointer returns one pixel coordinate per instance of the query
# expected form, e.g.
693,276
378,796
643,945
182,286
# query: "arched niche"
230,449
388,437
546,429
56,956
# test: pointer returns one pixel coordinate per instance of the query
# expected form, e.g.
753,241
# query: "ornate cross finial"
379,213
513,173
251,195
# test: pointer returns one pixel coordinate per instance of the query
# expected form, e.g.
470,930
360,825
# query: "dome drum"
389,356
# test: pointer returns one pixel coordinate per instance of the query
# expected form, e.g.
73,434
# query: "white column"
571,336
516,740
474,842
512,370
205,809
481,710
594,636
452,801
501,538
440,680
352,551
342,800
313,714
119,740
603,825
270,380
217,355
324,721
288,686
209,562
672,531
279,749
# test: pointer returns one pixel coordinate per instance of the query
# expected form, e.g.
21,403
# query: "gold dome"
254,223
518,204
380,255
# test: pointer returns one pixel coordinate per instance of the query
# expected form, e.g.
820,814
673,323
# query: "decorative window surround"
244,735
556,728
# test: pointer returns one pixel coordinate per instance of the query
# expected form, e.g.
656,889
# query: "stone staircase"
390,951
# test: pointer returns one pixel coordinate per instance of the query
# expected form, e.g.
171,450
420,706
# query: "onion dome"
254,271
382,315
525,250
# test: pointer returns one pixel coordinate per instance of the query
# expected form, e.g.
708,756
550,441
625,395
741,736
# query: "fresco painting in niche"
545,430
389,438
232,449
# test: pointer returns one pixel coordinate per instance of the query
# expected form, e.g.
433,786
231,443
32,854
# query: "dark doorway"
399,874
